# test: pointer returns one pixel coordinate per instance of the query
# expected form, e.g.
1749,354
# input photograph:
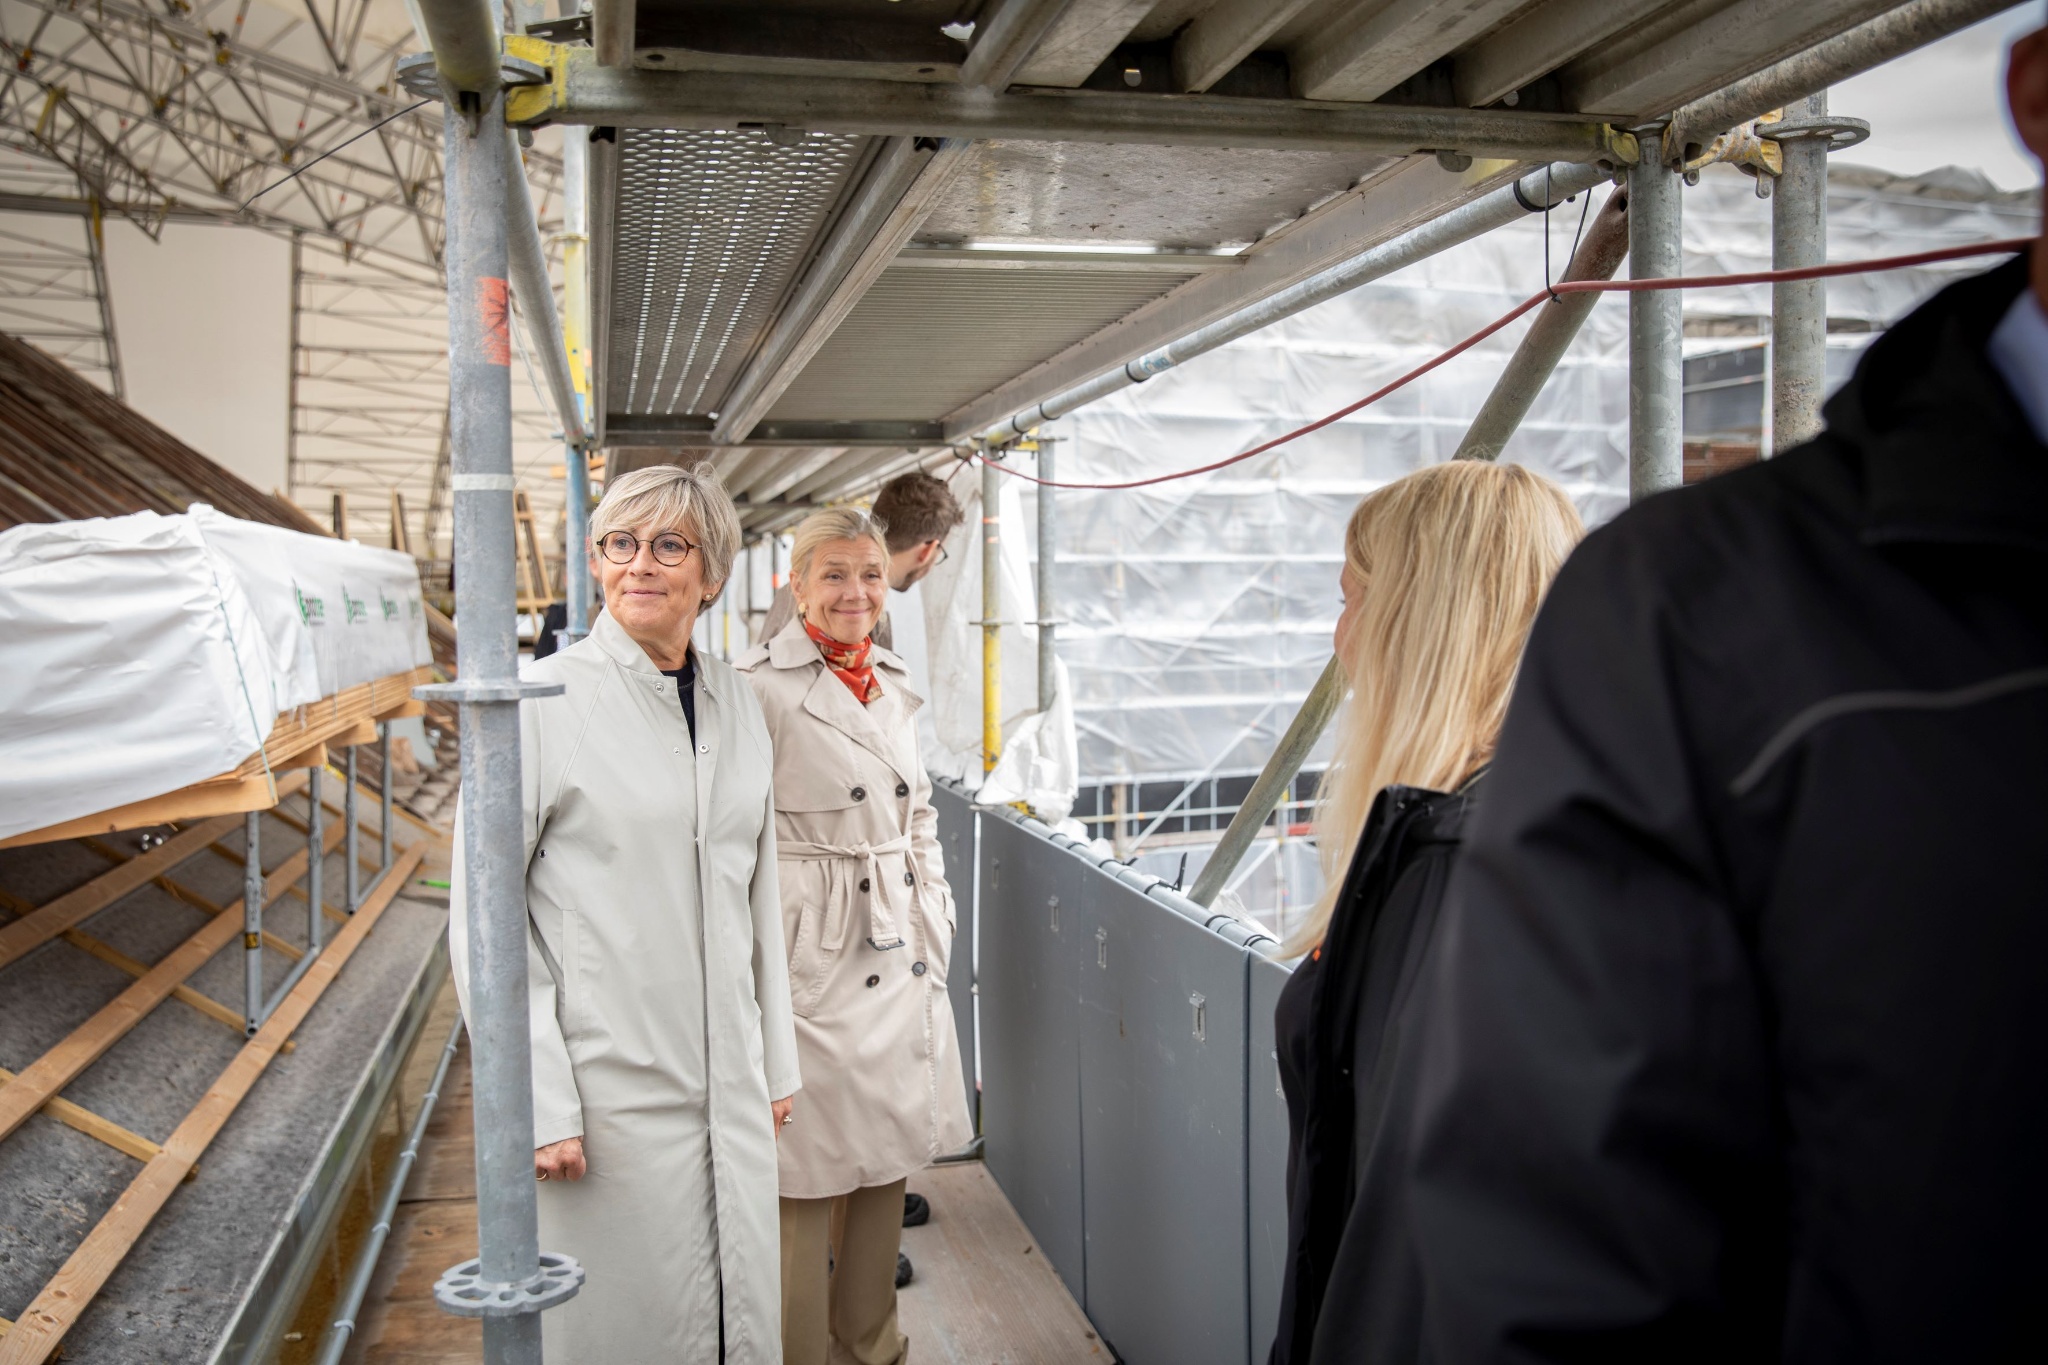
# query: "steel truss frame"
53,276
163,109
370,396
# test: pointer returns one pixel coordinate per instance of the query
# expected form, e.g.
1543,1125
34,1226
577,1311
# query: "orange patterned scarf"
849,662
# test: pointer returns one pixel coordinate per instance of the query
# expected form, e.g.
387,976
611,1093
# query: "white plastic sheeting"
1201,610
1039,762
141,654
335,613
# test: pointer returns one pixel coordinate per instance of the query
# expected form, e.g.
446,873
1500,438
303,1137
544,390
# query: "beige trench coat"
860,866
659,1004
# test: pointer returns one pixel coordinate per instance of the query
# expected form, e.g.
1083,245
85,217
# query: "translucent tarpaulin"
1201,610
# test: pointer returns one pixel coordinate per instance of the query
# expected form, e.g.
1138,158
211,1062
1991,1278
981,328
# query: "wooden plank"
188,803
44,1322
313,757
362,731
192,898
399,1322
315,721
404,711
93,1126
119,960
44,924
295,891
984,1291
85,1044
369,794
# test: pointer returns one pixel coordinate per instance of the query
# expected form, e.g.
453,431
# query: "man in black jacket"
1738,1044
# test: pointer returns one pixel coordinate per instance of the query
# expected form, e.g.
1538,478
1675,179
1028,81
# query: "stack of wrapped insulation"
145,654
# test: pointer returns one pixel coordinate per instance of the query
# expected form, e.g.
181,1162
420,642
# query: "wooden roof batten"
1421,106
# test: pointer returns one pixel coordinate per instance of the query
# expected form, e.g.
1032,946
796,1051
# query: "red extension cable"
1811,272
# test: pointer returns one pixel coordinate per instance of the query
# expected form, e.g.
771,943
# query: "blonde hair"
1453,561
834,523
691,501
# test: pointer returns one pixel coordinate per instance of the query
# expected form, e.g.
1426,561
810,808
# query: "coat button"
863,883
874,981
909,880
903,789
703,748
917,969
860,793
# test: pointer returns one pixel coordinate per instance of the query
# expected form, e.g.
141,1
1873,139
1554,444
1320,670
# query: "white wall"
203,317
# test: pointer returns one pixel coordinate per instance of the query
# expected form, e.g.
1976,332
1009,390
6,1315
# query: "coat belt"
882,931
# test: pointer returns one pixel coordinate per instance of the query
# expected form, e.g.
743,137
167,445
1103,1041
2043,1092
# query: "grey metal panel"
1163,1118
1266,1156
1030,1065
707,233
922,342
956,843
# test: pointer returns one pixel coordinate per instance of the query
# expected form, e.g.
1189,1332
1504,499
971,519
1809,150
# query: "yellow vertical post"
991,617
576,341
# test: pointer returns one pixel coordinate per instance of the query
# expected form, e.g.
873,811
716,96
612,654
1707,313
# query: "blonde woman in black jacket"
1443,571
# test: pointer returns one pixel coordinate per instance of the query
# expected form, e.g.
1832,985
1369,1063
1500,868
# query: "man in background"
920,512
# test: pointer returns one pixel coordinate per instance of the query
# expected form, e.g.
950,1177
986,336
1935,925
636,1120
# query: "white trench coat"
659,1004
861,869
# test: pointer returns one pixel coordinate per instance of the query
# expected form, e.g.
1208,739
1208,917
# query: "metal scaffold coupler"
463,1290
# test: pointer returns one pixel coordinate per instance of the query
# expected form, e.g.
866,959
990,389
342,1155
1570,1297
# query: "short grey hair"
691,501
834,523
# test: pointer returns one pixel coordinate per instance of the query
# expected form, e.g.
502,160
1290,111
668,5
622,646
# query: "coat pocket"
933,911
809,961
570,982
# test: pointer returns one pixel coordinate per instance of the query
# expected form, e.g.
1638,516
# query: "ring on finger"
540,1175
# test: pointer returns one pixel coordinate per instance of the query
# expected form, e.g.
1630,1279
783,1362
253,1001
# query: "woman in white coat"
869,919
663,1056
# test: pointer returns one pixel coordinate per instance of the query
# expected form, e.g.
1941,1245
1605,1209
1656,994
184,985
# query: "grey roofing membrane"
180,1287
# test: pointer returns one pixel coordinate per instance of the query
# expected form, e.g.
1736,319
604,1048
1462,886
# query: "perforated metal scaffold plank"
710,229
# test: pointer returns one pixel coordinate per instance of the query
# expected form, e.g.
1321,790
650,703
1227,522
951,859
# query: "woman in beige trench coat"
663,1057
869,920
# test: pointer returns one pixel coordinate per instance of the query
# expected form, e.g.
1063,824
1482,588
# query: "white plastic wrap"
1201,610
131,664
338,614
1039,764
142,654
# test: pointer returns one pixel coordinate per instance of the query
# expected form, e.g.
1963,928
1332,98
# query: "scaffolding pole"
510,1282
1799,308
252,923
1549,336
1656,431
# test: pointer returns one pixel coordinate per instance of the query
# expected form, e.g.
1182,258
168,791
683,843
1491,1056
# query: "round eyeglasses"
622,547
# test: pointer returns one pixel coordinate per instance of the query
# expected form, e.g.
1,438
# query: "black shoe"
903,1270
916,1211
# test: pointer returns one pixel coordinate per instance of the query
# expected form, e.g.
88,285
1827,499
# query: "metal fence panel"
1162,1034
1266,1157
956,842
1031,1085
